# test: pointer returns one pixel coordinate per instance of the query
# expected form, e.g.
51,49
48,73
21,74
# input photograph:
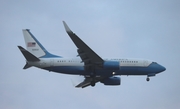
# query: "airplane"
87,63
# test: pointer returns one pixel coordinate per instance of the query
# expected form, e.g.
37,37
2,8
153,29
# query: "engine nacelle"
112,81
111,65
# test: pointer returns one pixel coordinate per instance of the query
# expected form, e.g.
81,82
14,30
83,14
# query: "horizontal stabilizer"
28,55
27,66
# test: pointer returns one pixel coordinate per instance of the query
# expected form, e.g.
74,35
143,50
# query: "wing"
88,81
89,57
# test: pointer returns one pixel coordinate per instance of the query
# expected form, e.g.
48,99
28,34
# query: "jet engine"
112,81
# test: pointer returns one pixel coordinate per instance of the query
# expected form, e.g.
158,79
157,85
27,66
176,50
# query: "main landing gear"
147,79
92,83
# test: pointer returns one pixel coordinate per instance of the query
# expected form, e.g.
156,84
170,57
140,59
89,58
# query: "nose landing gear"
150,75
147,79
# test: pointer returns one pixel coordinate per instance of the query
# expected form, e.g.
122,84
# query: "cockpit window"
155,62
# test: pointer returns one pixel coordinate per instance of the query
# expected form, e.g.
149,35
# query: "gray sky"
120,28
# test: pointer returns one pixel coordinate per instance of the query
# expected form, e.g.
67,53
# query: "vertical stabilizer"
34,46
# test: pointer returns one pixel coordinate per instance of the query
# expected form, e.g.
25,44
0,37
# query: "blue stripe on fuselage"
79,70
76,70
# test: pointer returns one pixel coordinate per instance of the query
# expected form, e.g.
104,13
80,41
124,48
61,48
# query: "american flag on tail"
31,44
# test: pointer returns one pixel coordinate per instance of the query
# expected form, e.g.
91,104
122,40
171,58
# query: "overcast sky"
147,29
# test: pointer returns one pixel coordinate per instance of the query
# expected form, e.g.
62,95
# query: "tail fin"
34,46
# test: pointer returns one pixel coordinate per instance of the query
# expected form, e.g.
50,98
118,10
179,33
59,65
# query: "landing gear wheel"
147,79
92,83
92,76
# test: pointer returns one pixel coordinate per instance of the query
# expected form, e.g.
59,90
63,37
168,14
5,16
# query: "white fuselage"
76,66
49,62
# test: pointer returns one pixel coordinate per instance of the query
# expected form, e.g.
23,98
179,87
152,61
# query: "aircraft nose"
156,68
161,68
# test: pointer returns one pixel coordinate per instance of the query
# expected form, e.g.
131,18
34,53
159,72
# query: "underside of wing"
85,83
112,80
89,81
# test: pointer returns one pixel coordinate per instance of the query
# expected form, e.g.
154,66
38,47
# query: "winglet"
66,27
